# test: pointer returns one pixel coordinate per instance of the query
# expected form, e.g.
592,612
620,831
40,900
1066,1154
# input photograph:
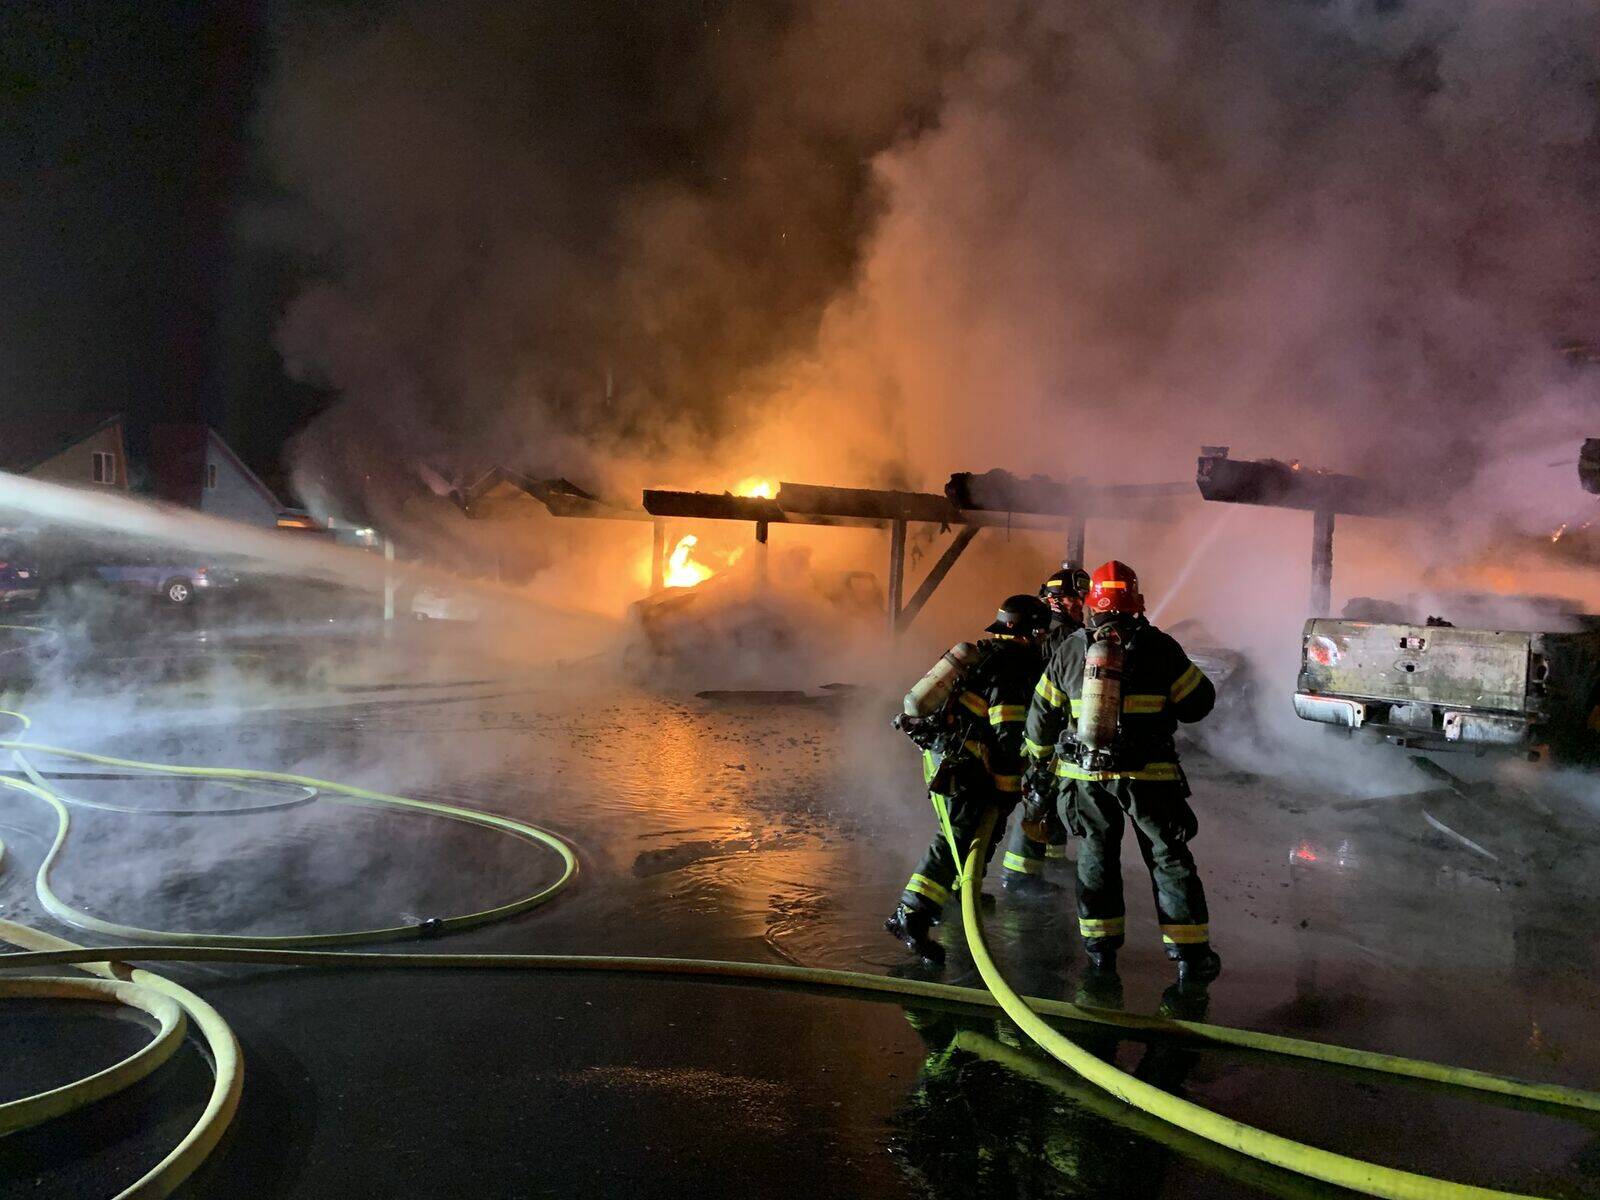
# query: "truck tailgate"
1457,668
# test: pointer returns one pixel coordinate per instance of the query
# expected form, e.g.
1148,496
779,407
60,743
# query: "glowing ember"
682,570
764,489
1556,536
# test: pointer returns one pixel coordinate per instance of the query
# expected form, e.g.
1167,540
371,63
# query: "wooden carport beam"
1321,564
897,570
1274,484
1061,507
711,506
963,539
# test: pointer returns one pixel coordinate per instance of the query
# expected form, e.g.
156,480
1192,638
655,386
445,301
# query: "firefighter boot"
912,927
985,903
1099,989
1198,966
1020,885
1102,956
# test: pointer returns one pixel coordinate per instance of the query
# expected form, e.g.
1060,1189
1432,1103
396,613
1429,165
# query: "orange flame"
682,569
757,487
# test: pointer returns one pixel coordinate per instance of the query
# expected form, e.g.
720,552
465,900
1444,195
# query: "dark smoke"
541,229
878,242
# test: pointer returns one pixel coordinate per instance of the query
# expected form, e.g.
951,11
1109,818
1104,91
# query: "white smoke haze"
871,245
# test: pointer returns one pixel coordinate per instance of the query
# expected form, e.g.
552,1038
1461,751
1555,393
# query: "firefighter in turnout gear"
971,737
1022,873
1100,730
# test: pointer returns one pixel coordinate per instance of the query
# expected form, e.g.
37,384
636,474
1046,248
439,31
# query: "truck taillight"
1322,650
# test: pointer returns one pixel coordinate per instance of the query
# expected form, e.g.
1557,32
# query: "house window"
211,477
105,466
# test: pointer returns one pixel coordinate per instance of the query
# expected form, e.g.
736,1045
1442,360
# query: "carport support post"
897,571
761,555
936,576
1321,563
388,580
1075,536
658,553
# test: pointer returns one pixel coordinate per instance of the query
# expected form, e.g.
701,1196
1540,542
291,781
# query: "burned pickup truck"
1435,686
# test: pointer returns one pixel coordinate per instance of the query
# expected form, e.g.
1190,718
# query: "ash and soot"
454,733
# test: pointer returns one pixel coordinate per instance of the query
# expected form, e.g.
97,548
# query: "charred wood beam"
1001,491
1287,485
1321,564
935,577
897,571
1589,465
804,502
711,506
658,554
805,499
1077,533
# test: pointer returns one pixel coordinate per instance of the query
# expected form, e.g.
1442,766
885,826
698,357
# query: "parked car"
438,604
173,579
19,578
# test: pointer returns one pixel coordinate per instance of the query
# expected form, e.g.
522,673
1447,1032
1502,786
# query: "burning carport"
970,503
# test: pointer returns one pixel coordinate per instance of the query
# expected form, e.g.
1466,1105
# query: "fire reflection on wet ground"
763,833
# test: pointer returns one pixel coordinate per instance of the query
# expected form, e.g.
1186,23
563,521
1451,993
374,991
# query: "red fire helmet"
1114,588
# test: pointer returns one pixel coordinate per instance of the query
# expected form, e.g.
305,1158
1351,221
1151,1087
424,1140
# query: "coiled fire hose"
174,1006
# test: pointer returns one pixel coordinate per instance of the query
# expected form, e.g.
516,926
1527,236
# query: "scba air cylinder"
1100,708
931,692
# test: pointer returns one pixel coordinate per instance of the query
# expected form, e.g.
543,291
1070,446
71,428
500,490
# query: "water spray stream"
271,552
1200,553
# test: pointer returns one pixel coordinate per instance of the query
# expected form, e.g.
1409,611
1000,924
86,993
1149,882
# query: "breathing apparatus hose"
172,1006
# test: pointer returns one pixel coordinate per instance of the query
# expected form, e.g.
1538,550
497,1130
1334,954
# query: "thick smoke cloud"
876,243
544,233
1351,235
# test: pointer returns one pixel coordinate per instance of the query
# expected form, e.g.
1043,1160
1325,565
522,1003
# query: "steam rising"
1352,232
872,244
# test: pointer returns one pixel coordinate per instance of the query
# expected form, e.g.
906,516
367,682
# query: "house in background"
194,467
83,449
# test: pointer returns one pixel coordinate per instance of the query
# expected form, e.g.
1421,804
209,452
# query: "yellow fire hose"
170,1004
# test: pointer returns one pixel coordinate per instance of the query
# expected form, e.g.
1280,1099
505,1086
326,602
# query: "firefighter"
1105,754
1064,592
1022,867
972,759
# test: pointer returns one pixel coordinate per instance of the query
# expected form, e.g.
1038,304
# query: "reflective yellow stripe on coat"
1151,772
1187,682
1050,693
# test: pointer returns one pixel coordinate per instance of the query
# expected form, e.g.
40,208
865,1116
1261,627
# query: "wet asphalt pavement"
747,829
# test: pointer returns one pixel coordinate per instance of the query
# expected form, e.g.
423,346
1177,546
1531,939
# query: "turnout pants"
1024,856
1163,824
970,797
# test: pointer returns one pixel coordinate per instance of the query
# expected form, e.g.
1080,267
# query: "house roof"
178,459
30,443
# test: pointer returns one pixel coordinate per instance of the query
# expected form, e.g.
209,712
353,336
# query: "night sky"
125,284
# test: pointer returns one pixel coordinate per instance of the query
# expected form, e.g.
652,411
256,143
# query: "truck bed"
1439,687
